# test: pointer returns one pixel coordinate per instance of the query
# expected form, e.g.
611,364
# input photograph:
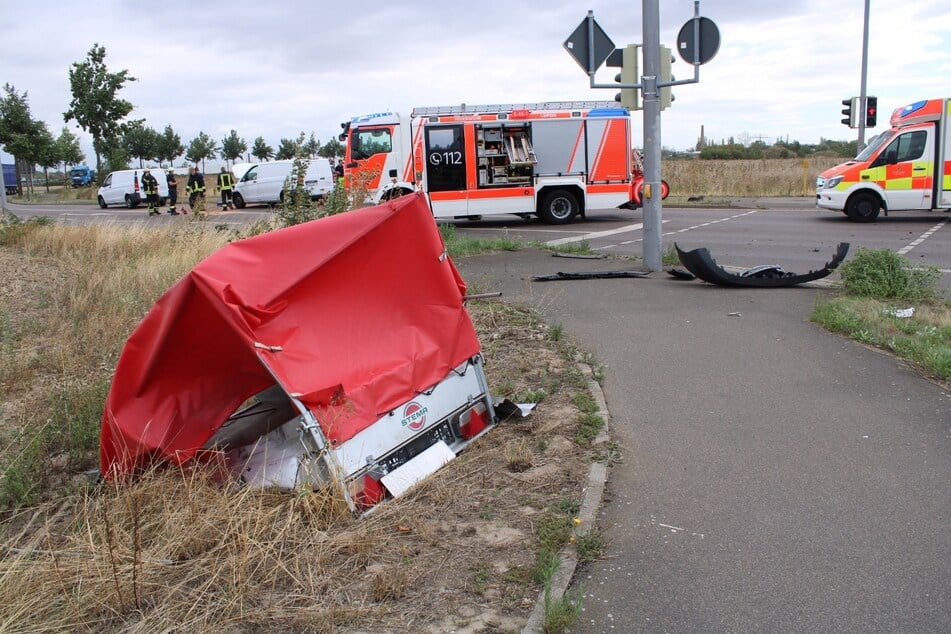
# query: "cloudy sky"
277,68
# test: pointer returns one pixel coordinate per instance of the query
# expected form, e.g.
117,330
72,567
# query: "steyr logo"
414,416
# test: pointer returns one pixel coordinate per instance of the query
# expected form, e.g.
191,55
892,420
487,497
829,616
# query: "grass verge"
179,550
893,307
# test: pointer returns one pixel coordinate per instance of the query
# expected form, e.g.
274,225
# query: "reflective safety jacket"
149,184
196,183
225,181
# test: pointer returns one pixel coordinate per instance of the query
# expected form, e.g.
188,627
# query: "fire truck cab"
550,159
907,167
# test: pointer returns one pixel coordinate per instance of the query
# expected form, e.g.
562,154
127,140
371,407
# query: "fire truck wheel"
863,207
558,207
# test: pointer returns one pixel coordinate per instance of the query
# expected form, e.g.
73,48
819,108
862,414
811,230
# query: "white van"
264,182
125,188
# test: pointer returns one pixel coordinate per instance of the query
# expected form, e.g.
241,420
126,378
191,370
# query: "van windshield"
873,146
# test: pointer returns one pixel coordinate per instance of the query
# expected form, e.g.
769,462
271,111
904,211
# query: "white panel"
404,478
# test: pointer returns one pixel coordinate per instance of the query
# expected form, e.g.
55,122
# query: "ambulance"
550,159
905,168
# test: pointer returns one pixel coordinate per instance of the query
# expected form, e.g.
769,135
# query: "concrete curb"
590,505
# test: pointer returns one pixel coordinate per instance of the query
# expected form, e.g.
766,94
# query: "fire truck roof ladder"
509,107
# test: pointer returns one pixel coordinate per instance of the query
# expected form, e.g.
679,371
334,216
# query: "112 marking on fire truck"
550,159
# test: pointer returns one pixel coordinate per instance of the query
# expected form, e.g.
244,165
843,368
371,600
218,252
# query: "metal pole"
652,143
3,193
862,93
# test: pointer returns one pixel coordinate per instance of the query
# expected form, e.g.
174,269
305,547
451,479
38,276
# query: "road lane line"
927,234
596,234
671,233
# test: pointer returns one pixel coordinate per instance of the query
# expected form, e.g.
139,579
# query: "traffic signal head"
666,59
871,109
850,111
628,97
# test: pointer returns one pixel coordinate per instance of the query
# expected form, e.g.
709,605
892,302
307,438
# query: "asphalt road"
789,232
774,478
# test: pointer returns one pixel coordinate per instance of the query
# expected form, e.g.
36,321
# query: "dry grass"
741,178
183,551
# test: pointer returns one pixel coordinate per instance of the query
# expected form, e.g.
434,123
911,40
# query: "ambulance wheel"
558,207
102,202
863,207
238,200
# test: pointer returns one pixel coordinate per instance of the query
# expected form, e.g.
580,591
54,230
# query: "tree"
95,105
169,146
22,137
261,150
140,142
43,152
68,151
332,149
287,149
232,147
202,147
311,147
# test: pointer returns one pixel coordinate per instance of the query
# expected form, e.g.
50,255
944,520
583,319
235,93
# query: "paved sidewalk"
774,477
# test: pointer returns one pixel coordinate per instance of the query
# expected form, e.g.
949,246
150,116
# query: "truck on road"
10,178
907,167
82,176
550,159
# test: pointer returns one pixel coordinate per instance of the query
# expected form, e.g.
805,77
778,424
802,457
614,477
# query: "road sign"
709,41
578,45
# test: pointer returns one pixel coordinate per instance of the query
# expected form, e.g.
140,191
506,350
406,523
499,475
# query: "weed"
518,455
531,396
589,425
568,507
462,245
669,257
883,274
561,613
589,546
555,332
585,402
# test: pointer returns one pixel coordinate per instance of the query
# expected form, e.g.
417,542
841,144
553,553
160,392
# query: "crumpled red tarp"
366,309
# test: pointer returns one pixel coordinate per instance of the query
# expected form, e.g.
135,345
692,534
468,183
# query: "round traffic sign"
709,41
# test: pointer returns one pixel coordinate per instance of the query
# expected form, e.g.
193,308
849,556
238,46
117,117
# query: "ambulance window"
910,146
367,142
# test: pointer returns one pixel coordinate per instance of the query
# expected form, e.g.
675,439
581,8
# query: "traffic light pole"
863,98
652,144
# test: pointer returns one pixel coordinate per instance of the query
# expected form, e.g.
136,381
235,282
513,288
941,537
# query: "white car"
265,183
124,187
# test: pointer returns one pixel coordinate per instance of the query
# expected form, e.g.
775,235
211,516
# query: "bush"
884,274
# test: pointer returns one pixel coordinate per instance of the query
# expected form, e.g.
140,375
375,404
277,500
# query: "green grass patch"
924,338
589,425
459,246
884,274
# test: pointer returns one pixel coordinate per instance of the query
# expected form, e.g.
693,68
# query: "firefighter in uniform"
226,187
172,191
150,187
196,191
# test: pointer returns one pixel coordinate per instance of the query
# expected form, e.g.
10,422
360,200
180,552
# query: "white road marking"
596,234
927,234
670,233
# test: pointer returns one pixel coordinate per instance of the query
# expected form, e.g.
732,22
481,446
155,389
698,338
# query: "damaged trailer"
336,352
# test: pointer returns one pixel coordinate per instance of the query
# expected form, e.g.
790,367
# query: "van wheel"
102,202
558,207
130,201
863,207
238,200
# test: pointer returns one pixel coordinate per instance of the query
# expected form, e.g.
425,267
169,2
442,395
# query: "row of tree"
96,107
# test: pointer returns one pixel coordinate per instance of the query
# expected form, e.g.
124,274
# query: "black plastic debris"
589,275
701,263
681,274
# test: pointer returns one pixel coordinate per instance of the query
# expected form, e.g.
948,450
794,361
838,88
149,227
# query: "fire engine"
550,159
906,167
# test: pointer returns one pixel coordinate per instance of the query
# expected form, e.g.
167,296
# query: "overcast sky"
277,68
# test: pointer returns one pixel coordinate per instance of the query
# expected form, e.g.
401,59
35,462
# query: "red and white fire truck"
550,159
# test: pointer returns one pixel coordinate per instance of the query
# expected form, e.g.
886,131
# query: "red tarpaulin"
353,314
